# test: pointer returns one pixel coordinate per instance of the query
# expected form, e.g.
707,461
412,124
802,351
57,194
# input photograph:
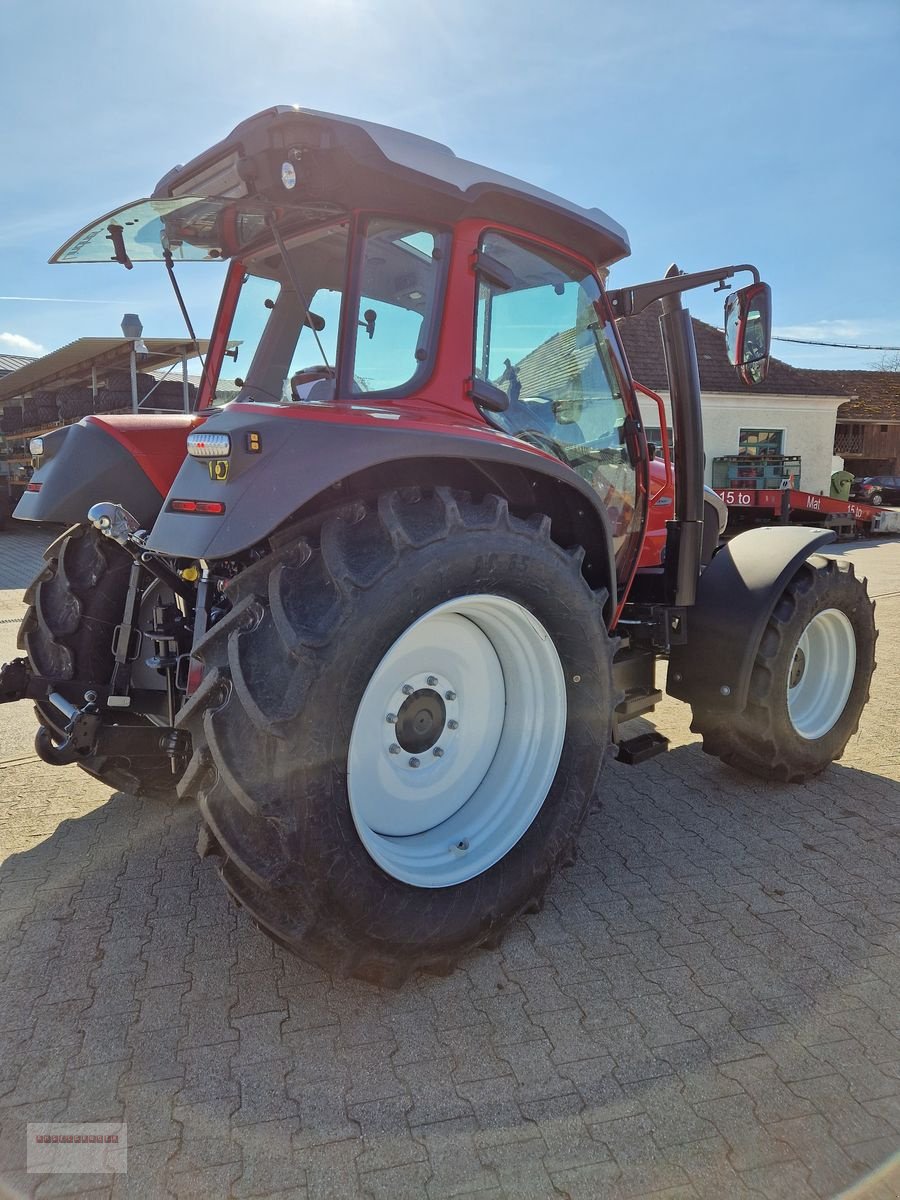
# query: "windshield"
192,228
274,355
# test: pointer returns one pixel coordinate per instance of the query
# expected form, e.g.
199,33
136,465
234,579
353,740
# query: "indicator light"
254,445
208,445
34,487
212,508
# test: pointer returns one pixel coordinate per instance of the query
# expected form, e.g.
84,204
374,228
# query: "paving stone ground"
707,1006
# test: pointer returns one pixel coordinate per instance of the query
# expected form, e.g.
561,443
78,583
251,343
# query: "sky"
762,132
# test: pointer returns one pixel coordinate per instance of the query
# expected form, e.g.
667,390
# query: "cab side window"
397,306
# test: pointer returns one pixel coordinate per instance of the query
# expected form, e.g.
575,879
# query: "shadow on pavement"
708,1000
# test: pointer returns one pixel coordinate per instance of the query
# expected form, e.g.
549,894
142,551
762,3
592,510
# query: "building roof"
643,345
550,367
872,395
73,363
12,362
875,394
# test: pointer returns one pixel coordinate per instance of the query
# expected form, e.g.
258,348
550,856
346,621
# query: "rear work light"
208,445
212,508
36,447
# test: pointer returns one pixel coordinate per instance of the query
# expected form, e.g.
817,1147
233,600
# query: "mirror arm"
628,301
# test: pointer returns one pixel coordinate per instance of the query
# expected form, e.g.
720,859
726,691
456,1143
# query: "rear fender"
736,596
81,466
303,465
130,460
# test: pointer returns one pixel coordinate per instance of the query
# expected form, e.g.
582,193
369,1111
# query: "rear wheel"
400,729
75,604
810,680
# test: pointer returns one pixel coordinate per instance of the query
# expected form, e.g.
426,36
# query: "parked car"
876,489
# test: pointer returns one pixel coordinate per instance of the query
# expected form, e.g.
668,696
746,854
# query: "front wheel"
877,499
810,679
400,729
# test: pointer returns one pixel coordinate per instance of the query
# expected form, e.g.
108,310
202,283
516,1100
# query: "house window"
654,435
760,443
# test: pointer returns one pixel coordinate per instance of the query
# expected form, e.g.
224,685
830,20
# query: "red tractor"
385,617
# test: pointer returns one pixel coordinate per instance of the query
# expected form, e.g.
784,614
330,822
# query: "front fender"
736,595
300,459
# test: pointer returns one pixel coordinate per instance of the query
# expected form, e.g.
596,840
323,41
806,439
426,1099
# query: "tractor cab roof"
305,167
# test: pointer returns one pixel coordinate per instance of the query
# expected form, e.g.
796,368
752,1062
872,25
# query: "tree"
889,361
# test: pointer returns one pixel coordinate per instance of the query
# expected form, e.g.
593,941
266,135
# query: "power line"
836,345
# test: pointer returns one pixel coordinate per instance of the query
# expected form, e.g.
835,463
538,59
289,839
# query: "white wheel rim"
485,718
821,674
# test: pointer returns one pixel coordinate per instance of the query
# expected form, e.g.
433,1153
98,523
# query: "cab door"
539,339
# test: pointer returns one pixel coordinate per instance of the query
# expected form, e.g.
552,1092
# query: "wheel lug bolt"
394,749
414,762
453,724
438,752
407,689
432,680
449,695
391,718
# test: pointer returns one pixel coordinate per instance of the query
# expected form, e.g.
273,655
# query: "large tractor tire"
810,679
75,603
400,730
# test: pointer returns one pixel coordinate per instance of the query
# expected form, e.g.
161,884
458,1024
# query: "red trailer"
786,505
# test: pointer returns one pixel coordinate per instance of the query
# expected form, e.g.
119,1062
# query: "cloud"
17,343
823,329
64,300
865,329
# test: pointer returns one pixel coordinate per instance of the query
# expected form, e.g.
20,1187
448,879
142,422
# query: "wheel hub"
798,666
821,674
420,721
423,720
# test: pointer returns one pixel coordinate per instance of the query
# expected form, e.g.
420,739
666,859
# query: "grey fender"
736,595
81,466
301,461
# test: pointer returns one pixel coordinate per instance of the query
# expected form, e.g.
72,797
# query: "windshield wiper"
117,237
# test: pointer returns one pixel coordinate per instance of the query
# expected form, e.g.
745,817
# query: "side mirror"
748,331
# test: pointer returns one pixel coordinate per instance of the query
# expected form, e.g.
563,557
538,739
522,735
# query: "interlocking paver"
388,1140
707,1008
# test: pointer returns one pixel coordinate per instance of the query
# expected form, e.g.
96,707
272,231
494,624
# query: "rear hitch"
86,734
80,732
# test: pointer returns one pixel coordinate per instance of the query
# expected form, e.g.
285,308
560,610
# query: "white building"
792,414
